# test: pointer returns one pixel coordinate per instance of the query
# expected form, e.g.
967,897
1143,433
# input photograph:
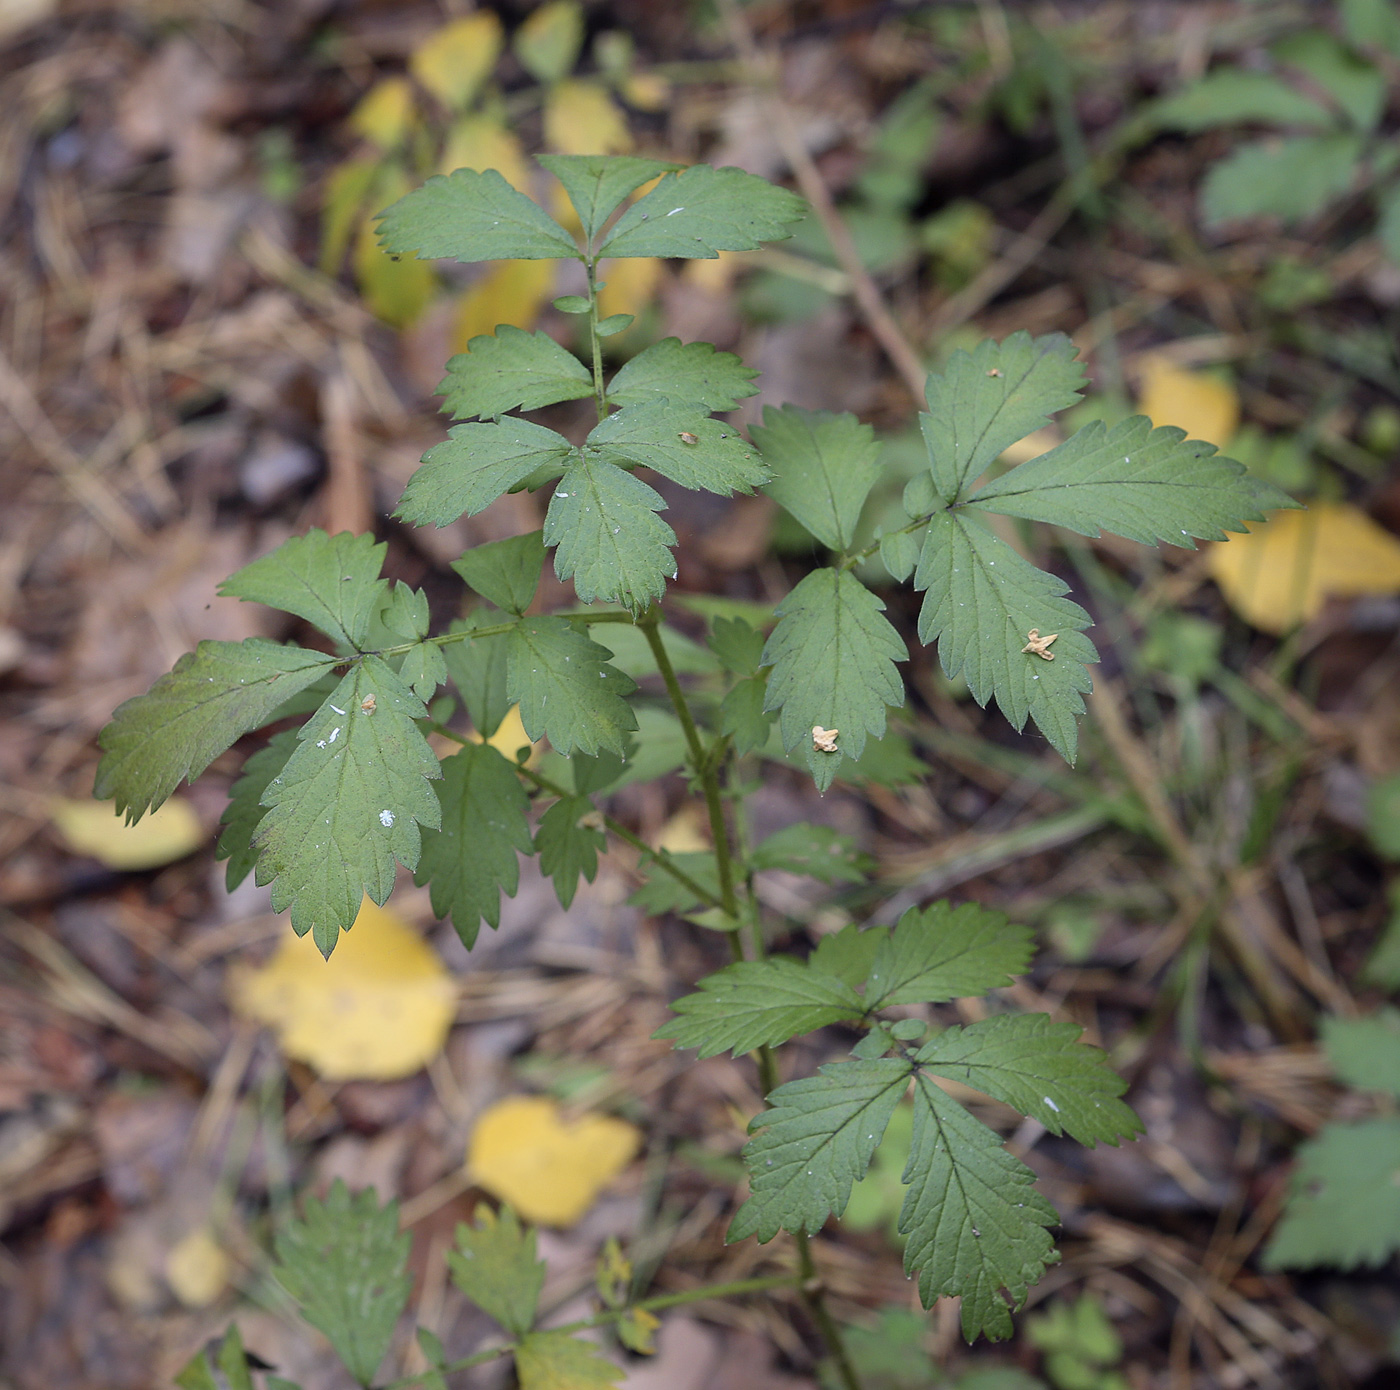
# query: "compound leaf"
682,443
511,370
742,714
210,699
496,1266
752,1003
813,1143
815,851
694,374
824,466
557,1361
597,183
475,464
1229,95
471,860
738,645
505,573
1147,484
348,804
345,1262
943,952
986,400
1365,1052
983,601
833,656
471,216
478,670
569,842
245,810
1344,1199
1288,179
1040,1068
975,1223
331,581
702,211
226,1369
566,689
607,536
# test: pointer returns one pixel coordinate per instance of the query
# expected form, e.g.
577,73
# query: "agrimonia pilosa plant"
349,786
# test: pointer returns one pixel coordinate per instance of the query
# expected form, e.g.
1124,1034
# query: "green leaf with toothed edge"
244,810
696,374
742,714
331,581
976,1224
496,1266
511,370
758,1003
1146,484
345,1262
470,216
475,464
824,466
472,859
566,687
478,670
813,1143
982,602
944,952
833,656
1040,1068
682,443
597,183
850,952
569,841
505,573
986,400
1365,1052
204,705
348,804
607,536
702,211
557,1361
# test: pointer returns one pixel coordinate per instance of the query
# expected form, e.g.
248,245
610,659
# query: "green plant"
1080,1345
1322,101
326,809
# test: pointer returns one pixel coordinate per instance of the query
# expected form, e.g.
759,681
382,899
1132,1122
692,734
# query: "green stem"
661,857
813,1297
591,265
853,559
705,767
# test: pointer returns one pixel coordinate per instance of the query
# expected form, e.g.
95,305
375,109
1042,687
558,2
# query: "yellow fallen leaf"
512,292
1282,573
628,285
197,1269
384,114
510,736
716,276
685,832
481,143
548,1169
453,62
378,1009
549,41
396,289
1204,406
647,91
160,837
580,117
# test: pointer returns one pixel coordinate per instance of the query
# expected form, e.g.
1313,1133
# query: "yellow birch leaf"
548,42
716,276
511,292
548,1169
628,285
377,1010
580,117
647,91
481,143
168,833
453,62
197,1269
347,191
384,114
1204,406
1282,573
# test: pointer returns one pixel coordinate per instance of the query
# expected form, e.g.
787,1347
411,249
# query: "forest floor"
181,389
